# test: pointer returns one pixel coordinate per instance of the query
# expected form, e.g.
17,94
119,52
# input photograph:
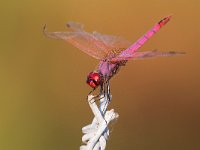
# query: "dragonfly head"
94,79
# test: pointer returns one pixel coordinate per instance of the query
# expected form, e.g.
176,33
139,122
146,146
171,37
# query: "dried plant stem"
96,134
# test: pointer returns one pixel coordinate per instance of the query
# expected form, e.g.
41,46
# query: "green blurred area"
43,92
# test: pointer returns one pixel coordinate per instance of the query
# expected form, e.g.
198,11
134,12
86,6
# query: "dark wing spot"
68,25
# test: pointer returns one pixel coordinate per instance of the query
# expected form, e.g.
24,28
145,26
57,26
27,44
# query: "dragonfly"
113,52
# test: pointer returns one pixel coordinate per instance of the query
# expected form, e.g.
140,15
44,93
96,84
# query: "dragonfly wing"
112,41
81,40
133,48
115,44
147,54
74,26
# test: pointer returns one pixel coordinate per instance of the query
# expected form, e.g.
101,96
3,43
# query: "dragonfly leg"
95,98
98,96
91,91
106,93
107,90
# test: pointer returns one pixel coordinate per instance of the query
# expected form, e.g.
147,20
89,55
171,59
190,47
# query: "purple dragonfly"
112,51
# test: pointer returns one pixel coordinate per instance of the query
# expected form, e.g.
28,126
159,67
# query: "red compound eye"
93,79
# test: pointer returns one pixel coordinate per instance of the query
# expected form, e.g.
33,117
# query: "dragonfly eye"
93,79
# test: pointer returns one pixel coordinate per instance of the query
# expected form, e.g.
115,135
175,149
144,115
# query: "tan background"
43,90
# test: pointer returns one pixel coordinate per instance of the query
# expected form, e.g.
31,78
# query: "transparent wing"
147,54
141,41
116,44
96,45
74,26
81,40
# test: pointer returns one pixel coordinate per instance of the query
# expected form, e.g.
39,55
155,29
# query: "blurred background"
43,92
